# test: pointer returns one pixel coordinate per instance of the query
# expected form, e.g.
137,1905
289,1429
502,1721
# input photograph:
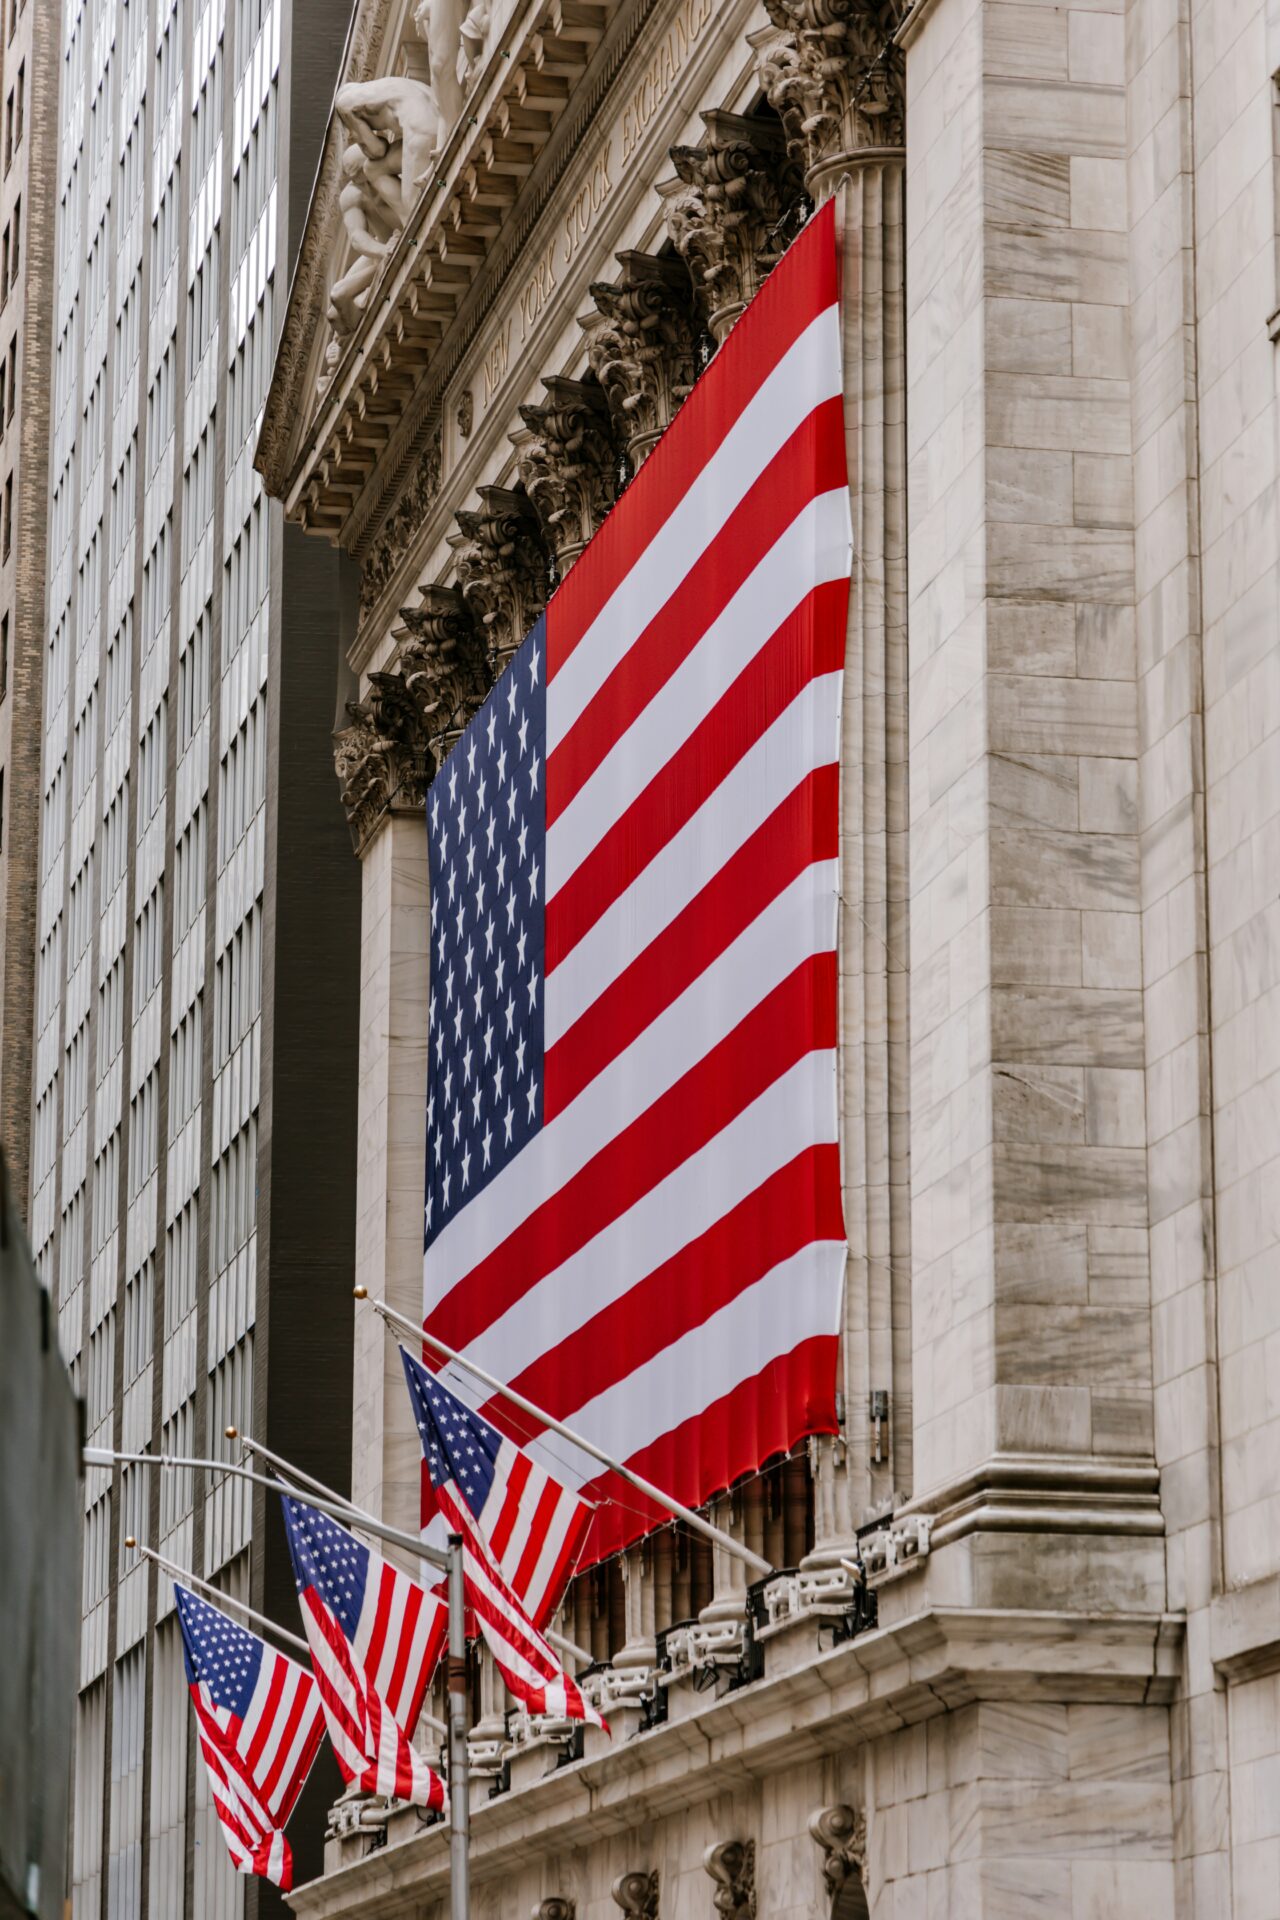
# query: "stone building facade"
29,128
533,224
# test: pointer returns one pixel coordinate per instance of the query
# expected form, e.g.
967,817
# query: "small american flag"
533,1527
260,1726
375,1636
633,1197
458,1465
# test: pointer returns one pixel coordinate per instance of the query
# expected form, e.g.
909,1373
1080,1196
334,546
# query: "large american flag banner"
533,1527
375,1636
457,1466
260,1724
633,1205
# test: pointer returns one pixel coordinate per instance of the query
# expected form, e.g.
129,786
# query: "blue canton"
328,1558
458,1444
227,1658
486,830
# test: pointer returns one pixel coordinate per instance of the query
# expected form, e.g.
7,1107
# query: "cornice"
924,1666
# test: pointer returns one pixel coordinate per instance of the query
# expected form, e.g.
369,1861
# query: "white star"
457,1124
533,772
453,783
453,884
479,996
519,1059
533,1095
502,766
511,696
524,733
507,1118
533,988
471,757
435,812
439,1144
475,1102
468,957
493,721
466,1065
511,804
533,881
511,909
502,869
520,944
523,836
533,667
497,1081
501,969
457,1021
471,859
480,797
448,1085
461,916
488,1054
466,1166
448,1182
486,1142
462,817
488,938
510,1011
441,946
489,832
479,896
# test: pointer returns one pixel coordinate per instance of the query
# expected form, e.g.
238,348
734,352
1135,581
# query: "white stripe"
285,1791
798,923
796,1112
807,374
801,739
815,548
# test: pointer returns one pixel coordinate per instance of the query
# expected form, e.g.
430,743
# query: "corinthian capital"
444,665
731,210
569,467
383,758
502,569
836,80
642,342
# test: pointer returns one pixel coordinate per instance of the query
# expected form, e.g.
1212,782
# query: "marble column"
836,83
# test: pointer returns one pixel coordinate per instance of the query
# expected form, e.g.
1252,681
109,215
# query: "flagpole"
459,1784
646,1487
336,1509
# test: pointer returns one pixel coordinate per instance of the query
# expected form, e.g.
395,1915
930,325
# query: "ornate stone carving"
466,413
557,1907
637,1895
642,346
396,128
444,664
836,82
841,1832
502,569
569,468
732,1865
401,523
441,24
731,210
383,759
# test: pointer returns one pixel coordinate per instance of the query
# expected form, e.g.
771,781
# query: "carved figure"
369,235
390,113
440,24
475,29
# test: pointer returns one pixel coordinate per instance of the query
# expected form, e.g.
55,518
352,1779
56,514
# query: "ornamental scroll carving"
642,343
557,1907
569,467
637,1895
732,210
501,567
732,1865
841,1832
837,80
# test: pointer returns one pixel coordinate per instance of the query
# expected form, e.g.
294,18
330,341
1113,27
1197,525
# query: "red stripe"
763,1416
517,1480
287,1730
803,828
811,462
270,1708
406,1622
384,1607
797,1017
798,1204
543,1515
566,1562
809,643
790,300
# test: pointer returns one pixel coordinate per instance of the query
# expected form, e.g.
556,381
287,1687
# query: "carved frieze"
401,523
642,343
569,467
732,210
732,1865
445,665
383,758
637,1895
501,567
836,81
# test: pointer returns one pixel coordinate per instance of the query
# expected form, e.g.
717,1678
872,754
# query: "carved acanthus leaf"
637,1895
383,758
732,209
502,569
569,467
642,346
836,81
